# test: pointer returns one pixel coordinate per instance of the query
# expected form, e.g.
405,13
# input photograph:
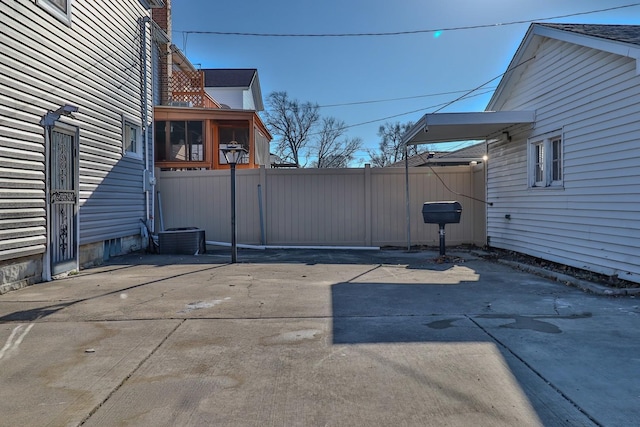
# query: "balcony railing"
188,87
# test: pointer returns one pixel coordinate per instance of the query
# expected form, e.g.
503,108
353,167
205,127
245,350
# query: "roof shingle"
621,33
228,77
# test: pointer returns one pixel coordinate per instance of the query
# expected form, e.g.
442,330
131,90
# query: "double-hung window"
546,161
61,9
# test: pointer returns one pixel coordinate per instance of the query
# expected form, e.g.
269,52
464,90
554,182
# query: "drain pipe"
147,175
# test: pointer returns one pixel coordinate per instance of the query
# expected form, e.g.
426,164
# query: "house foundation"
26,271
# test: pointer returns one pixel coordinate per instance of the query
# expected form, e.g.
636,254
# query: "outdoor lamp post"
233,152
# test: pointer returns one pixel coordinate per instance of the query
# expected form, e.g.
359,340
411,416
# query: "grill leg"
441,239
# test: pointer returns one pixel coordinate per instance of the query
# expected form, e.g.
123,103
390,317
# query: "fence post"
368,208
263,196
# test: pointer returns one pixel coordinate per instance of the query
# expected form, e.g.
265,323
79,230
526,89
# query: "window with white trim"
546,161
61,9
131,138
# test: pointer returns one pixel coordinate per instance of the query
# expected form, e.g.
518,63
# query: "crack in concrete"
535,371
133,371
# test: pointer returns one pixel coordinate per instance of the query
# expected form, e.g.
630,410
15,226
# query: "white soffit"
448,127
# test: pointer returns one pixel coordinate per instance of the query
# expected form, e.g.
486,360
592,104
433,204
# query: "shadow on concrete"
33,314
422,260
37,313
381,313
396,313
385,313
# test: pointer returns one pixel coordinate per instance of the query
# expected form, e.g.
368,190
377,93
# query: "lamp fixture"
233,152
52,117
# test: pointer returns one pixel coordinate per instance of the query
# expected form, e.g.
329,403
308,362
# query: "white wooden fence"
324,207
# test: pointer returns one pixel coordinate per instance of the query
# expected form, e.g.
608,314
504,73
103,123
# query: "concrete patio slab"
337,338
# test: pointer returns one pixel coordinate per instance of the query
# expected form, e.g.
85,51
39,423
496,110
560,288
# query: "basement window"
131,138
61,9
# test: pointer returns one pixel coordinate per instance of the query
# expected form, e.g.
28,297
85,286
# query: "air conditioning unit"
181,104
182,241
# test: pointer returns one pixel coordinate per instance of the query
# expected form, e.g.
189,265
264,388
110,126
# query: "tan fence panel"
390,211
203,199
343,207
316,207
478,178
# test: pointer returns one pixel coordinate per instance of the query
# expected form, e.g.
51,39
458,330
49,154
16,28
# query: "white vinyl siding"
247,100
96,67
594,222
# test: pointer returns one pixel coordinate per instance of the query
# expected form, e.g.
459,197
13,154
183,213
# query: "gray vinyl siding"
593,222
94,64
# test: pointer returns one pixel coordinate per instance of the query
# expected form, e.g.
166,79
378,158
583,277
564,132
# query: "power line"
414,111
483,84
401,33
396,99
443,105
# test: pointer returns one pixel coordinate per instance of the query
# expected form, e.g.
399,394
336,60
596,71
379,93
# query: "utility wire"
395,99
483,84
420,109
400,33
447,187
409,112
446,104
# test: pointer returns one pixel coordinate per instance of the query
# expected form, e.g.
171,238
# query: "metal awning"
448,127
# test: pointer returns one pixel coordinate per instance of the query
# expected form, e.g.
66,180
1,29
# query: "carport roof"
447,127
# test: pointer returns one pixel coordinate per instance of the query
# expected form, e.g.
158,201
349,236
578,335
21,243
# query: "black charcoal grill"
441,213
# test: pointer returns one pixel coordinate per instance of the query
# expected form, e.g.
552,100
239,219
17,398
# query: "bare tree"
331,150
292,122
391,149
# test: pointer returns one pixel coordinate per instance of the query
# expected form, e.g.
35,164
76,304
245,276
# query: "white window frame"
127,124
51,7
545,169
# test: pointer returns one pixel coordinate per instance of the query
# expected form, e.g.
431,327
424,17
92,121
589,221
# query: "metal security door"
63,201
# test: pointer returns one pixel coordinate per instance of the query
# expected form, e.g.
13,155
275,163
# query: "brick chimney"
162,18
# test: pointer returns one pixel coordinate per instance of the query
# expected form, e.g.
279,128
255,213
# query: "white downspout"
146,176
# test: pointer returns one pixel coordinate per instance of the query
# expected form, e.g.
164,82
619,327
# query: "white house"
75,144
235,88
563,138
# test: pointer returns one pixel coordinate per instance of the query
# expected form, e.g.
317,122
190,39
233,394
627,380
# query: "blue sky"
343,70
